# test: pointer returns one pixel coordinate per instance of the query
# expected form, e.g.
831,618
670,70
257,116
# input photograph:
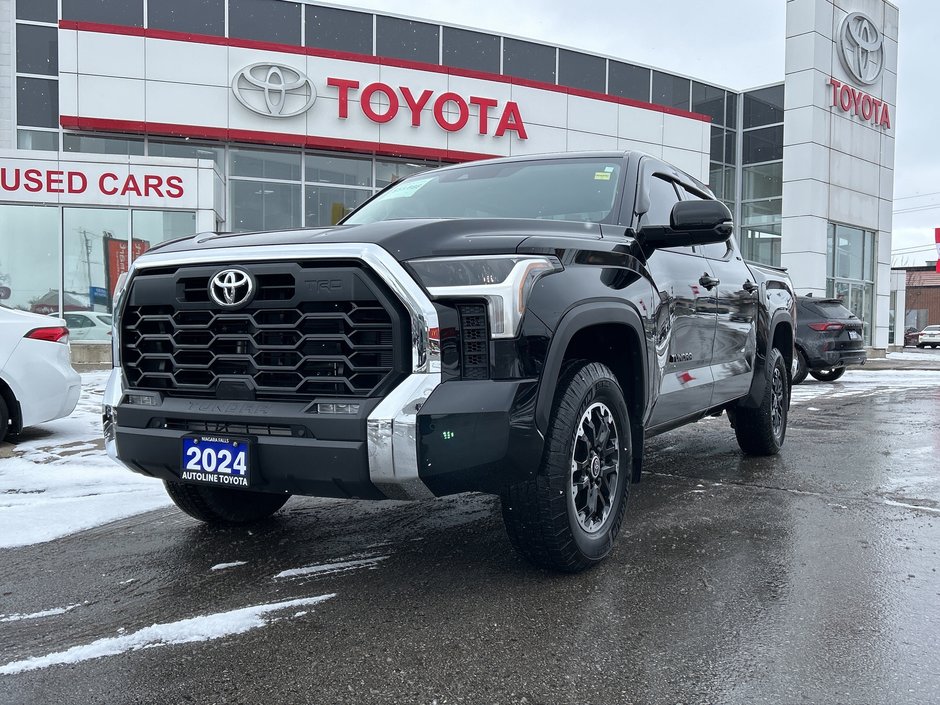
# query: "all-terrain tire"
541,514
762,431
802,368
828,375
222,506
4,419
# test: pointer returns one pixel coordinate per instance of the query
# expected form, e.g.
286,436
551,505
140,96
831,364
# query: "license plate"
216,460
854,336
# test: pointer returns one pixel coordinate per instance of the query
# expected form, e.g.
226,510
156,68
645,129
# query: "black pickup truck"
515,326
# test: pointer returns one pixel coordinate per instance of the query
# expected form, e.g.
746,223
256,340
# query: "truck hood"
403,239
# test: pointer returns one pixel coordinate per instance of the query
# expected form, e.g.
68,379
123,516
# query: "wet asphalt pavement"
810,577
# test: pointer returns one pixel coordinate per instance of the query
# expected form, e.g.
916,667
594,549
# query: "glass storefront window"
763,106
264,20
326,205
407,39
709,100
528,60
196,16
628,81
670,90
101,145
581,70
763,145
187,150
389,172
29,257
264,164
150,228
851,270
341,30
763,181
95,254
37,102
37,10
37,139
265,205
721,182
347,171
471,50
129,13
37,50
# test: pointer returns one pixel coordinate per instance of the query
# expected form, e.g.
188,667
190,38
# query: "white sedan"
37,382
929,336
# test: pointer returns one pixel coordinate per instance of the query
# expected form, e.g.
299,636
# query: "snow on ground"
224,566
915,355
203,628
339,566
57,479
864,383
37,615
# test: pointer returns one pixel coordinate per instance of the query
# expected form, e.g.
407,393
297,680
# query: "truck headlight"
503,281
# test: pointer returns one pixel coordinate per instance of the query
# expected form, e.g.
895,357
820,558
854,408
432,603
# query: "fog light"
142,400
337,408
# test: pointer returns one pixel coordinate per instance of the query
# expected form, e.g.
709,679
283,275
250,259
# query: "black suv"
515,326
829,337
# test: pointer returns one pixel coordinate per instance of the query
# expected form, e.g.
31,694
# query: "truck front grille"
311,330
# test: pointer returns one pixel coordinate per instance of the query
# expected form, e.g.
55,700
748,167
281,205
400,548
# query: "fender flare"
575,320
759,379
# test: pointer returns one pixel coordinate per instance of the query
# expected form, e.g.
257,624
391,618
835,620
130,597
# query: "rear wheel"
224,507
761,431
802,367
568,516
828,375
4,419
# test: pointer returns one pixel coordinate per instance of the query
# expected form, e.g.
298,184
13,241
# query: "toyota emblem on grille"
232,288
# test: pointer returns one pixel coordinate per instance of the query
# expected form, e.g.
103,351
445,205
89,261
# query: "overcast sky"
738,44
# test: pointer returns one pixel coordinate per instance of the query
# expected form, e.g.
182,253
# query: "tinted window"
663,197
471,50
730,144
37,102
339,170
101,145
265,205
528,60
717,144
37,139
764,181
581,190
37,10
581,70
37,50
264,20
763,107
628,81
763,145
327,205
670,90
266,165
731,110
124,12
832,309
404,39
710,101
341,30
196,16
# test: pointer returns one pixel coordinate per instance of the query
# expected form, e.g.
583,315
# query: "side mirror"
690,223
5,293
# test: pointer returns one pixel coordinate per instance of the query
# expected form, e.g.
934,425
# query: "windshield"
550,189
105,319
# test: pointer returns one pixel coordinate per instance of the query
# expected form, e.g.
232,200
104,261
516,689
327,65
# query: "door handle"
708,282
749,286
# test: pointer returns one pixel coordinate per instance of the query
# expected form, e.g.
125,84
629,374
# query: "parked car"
829,338
514,326
929,337
37,382
910,337
90,326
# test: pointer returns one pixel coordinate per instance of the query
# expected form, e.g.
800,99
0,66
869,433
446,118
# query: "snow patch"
905,505
204,628
331,568
223,566
37,615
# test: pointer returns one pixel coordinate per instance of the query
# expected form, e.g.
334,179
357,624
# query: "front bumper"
424,439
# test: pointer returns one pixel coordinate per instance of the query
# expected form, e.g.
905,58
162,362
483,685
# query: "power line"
917,209
920,195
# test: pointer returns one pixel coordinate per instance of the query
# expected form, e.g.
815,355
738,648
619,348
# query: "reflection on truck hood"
404,239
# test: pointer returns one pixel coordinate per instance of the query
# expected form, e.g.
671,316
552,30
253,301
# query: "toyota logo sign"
274,90
861,48
231,288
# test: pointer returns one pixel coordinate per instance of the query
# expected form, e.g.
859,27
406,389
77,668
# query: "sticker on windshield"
407,190
602,176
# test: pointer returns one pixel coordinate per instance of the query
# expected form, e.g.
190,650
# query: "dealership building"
124,123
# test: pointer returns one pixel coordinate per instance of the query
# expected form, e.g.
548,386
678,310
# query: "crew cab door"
735,295
685,317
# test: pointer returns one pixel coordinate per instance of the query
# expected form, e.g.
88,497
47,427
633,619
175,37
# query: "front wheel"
568,516
828,375
762,430
802,368
222,506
